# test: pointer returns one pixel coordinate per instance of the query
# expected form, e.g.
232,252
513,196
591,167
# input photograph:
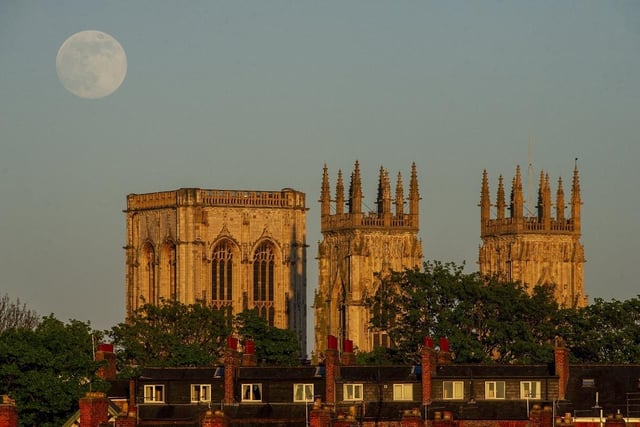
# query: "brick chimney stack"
215,419
561,358
332,368
249,357
444,355
127,418
105,352
94,409
232,361
428,360
8,412
348,356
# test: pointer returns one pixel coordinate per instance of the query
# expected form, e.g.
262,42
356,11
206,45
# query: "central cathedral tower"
356,245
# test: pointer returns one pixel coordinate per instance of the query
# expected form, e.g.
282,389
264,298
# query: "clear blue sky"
260,94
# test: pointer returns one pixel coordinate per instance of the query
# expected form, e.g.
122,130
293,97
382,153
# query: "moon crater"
91,64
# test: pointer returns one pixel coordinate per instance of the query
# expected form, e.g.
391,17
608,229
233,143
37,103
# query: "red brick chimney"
428,360
319,416
128,418
411,418
561,358
94,409
8,412
215,419
232,361
132,394
332,369
348,356
249,357
444,355
108,371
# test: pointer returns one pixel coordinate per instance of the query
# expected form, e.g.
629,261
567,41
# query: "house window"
403,392
200,393
530,390
252,392
303,392
494,390
352,392
153,394
452,390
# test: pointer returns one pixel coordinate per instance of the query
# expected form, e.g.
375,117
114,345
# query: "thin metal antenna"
530,206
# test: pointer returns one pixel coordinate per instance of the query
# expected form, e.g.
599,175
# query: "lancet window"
263,281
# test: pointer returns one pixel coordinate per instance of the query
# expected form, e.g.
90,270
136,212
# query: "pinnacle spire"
500,203
414,194
339,194
541,200
485,201
325,193
576,200
384,192
560,202
355,191
517,199
399,197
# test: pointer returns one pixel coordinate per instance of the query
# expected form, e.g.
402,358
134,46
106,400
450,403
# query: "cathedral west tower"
355,246
542,249
235,250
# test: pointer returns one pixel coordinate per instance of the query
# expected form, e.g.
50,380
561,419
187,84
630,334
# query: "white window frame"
452,390
303,392
154,393
494,390
525,389
403,391
249,392
200,393
352,392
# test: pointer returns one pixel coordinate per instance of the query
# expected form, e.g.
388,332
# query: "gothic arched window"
263,281
168,284
148,276
222,274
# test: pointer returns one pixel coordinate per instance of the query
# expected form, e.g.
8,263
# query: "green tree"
274,346
379,356
485,320
14,314
47,369
604,331
170,334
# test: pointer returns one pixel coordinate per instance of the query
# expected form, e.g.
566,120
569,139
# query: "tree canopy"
484,319
176,334
47,369
488,320
170,334
604,331
274,346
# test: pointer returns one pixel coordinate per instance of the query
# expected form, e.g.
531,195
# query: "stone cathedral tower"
236,250
355,246
535,250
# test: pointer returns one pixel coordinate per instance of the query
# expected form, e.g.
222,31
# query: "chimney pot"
332,342
232,343
428,342
107,348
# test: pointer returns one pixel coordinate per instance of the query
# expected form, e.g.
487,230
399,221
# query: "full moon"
91,64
